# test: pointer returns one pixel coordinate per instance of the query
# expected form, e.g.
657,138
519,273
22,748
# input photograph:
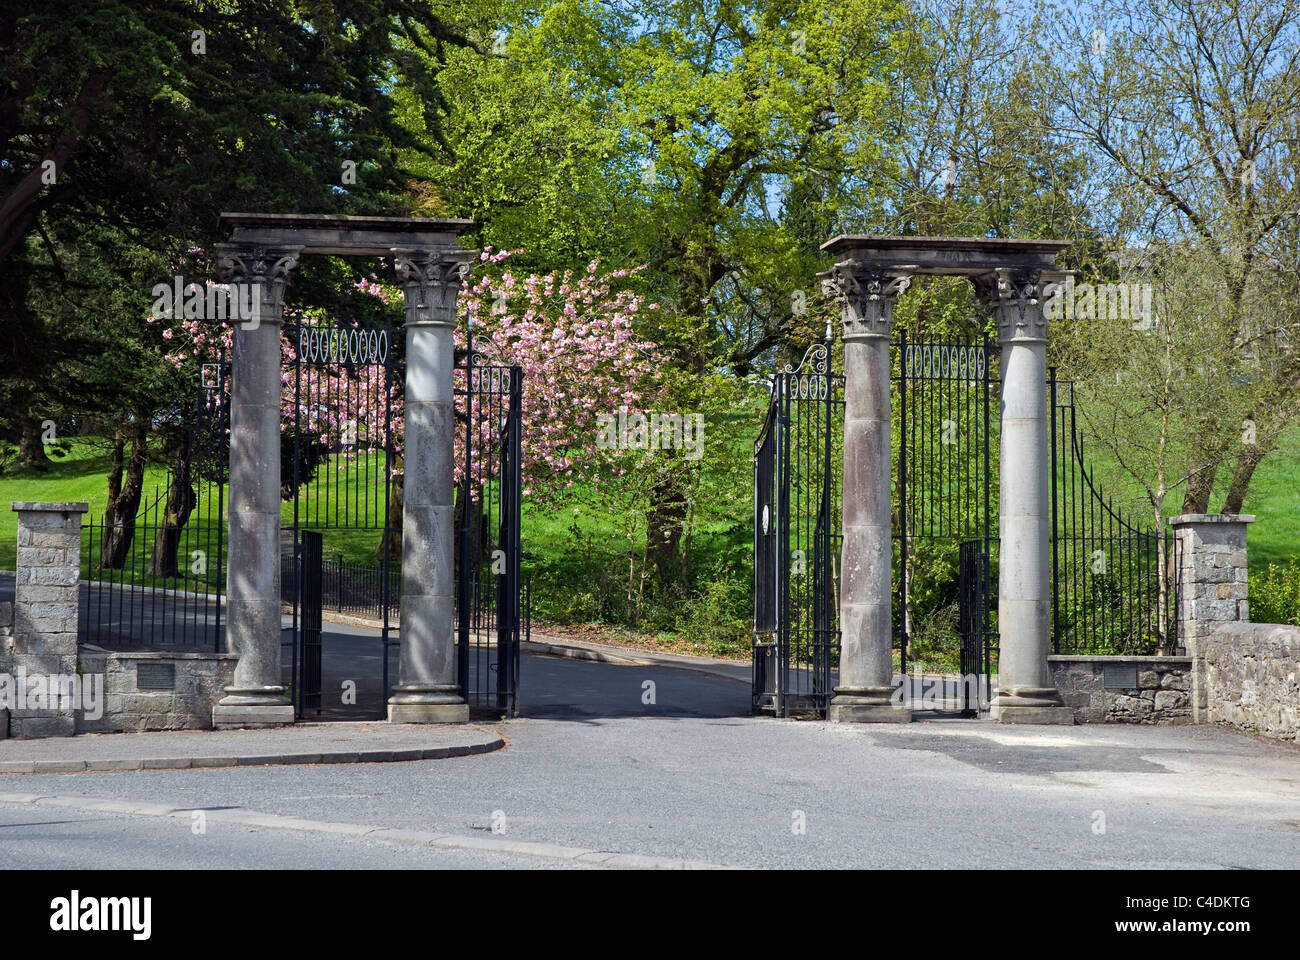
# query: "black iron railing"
156,570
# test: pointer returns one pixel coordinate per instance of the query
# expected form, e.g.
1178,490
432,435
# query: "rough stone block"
46,594
61,575
57,611
68,522
1170,700
41,557
33,728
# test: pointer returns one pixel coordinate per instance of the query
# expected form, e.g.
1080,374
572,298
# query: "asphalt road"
691,777
598,763
38,839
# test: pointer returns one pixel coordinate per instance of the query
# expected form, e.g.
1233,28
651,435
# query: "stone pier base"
428,712
1015,710
866,707
254,713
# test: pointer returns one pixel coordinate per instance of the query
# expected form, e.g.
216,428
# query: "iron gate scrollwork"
797,539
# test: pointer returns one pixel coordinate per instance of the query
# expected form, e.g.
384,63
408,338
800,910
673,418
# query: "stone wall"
132,700
1252,678
1155,690
108,691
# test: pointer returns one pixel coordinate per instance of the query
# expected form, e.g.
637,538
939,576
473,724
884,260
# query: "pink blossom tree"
572,334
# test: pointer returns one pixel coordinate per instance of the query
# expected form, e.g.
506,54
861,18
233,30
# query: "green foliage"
935,640
719,618
1275,595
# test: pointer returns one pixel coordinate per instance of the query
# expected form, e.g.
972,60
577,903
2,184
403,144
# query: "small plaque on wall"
155,676
1119,676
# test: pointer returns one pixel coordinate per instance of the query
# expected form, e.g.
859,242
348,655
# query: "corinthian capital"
866,297
266,269
1017,299
431,281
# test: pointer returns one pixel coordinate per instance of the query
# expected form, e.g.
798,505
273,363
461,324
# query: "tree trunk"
123,497
1247,461
1199,487
177,507
31,446
390,544
664,523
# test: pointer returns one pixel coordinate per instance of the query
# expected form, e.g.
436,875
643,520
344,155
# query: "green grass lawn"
79,476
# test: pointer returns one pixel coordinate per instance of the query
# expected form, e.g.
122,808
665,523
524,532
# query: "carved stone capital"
431,281
266,269
866,297
1017,299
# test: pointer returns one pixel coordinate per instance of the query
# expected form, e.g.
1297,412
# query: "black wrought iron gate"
1113,587
944,516
797,538
489,491
339,457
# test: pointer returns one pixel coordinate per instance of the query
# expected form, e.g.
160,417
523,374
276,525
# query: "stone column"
865,691
45,612
1026,693
1210,572
426,690
256,698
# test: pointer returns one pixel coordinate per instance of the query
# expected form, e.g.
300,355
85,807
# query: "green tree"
672,135
1188,112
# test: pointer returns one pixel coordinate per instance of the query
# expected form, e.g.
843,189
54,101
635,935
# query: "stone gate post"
256,699
1026,693
426,690
1211,573
865,691
45,612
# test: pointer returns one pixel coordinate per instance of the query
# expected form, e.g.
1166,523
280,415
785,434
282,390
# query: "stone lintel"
45,506
947,256
343,235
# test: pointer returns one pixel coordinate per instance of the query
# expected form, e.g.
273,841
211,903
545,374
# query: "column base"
428,712
867,705
245,708
1031,706
427,704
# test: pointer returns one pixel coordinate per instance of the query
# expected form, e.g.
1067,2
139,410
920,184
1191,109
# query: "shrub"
718,617
1275,596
